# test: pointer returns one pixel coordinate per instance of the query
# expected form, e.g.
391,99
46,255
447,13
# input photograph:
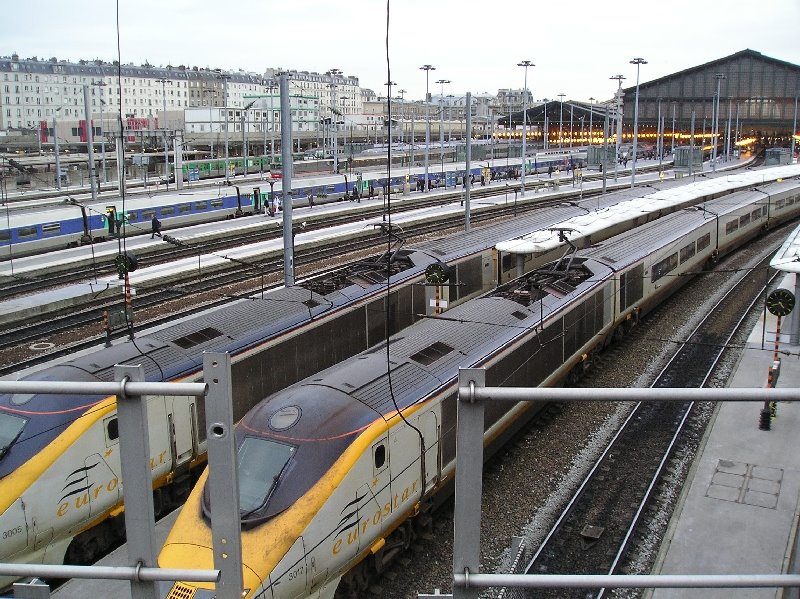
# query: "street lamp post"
427,68
659,135
163,83
638,62
591,114
524,64
619,79
715,122
225,77
561,120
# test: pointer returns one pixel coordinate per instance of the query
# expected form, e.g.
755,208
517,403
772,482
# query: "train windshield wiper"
261,463
10,429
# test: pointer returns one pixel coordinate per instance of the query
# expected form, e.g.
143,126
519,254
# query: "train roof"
322,415
630,246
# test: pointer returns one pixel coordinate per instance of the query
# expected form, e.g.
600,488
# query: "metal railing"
472,395
132,391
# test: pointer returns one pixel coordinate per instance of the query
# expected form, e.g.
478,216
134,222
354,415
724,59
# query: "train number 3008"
10,533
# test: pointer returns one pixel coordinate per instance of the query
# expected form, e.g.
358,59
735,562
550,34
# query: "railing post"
223,475
469,470
134,449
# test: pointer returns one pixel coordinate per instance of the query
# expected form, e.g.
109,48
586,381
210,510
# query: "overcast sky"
576,46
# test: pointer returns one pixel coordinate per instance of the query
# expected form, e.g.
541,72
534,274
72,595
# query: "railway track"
167,253
259,276
596,529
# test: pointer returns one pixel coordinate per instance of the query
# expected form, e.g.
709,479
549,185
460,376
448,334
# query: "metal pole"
728,131
619,79
591,114
271,127
55,142
638,62
224,481
225,120
525,64
427,68
286,183
715,123
571,112
468,485
691,147
794,129
561,120
672,148
164,127
103,139
89,141
441,126
659,136
135,468
468,174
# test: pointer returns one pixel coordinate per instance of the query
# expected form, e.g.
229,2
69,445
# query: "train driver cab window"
261,464
379,455
111,426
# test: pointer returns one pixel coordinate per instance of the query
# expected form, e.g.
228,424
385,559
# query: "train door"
428,424
256,200
182,420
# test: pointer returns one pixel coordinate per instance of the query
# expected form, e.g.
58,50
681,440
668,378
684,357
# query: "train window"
744,220
687,252
663,267
5,235
130,217
508,262
198,337
184,208
755,214
25,232
217,204
789,201
431,353
331,189
148,214
261,463
379,455
764,210
203,205
703,242
112,429
731,226
167,210
779,204
51,229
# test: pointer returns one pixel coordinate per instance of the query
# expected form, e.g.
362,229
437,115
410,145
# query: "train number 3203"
7,534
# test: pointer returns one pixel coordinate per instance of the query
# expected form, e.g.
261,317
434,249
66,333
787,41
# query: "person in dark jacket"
155,228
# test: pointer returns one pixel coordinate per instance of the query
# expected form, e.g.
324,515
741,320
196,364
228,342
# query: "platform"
738,513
